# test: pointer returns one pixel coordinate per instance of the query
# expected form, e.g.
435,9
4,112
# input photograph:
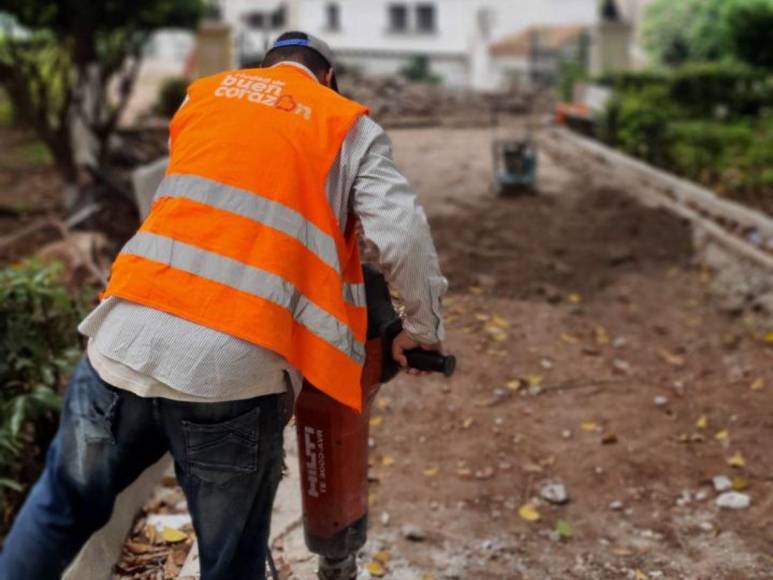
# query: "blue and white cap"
309,41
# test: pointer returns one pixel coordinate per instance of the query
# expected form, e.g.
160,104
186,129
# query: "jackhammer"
333,442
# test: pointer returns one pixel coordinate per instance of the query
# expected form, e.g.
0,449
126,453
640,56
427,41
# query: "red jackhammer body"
333,442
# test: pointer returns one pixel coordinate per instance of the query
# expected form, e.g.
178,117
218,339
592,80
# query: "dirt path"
571,313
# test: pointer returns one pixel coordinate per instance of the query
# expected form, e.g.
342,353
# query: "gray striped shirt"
130,343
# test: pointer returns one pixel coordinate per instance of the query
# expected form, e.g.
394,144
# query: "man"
245,273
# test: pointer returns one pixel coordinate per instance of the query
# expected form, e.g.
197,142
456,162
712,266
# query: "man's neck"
297,65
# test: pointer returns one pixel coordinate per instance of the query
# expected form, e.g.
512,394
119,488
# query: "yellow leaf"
499,321
431,472
383,403
376,421
500,336
387,460
737,460
740,484
482,317
477,290
769,337
722,435
534,380
569,339
514,385
640,575
758,385
371,499
589,426
702,422
574,298
375,569
427,577
672,359
172,536
467,423
383,556
529,513
601,335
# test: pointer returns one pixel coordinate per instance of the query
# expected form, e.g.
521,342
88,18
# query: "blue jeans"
228,459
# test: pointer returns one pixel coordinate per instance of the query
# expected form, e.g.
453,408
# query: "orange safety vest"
241,237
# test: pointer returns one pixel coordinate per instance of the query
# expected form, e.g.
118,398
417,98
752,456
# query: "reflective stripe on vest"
263,211
247,279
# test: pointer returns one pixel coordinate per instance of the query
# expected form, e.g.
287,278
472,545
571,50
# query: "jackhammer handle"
427,360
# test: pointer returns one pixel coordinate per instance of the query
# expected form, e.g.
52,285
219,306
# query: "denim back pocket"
217,452
92,404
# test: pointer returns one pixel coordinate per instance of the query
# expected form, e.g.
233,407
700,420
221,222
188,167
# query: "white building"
383,36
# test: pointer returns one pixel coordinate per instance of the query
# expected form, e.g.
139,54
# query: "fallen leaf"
769,337
529,513
137,547
172,536
564,529
602,337
376,421
740,484
477,290
569,339
758,384
382,557
639,575
383,403
672,359
467,423
737,460
722,435
574,298
609,439
534,380
387,460
431,471
375,569
371,499
500,322
589,426
427,577
482,317
702,422
464,472
515,384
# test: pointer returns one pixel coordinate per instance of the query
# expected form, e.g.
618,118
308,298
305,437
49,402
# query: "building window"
255,20
333,17
426,18
398,18
279,18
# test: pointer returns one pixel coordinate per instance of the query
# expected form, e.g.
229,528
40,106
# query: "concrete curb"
97,557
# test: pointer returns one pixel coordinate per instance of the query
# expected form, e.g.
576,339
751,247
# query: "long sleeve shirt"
152,353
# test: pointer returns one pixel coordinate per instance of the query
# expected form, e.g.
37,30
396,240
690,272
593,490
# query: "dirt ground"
570,312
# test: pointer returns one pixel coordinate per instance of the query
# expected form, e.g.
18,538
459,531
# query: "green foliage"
639,122
7,117
749,26
704,150
38,346
418,70
570,72
633,80
705,90
677,32
171,96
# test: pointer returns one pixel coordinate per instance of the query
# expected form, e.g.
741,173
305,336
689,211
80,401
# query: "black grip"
428,360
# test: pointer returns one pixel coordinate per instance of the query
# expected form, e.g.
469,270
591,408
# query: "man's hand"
403,342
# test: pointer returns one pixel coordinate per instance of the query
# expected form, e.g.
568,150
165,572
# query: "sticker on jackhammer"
314,451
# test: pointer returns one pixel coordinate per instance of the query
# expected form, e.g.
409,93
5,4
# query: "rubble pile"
396,102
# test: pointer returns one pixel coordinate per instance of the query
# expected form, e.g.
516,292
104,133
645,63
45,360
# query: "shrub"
641,122
38,346
171,96
704,150
633,80
706,90
748,29
419,70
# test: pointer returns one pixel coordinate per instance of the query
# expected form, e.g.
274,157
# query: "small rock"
413,533
554,493
722,483
384,519
706,526
734,500
701,495
619,342
616,506
546,364
566,434
621,366
661,401
371,442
